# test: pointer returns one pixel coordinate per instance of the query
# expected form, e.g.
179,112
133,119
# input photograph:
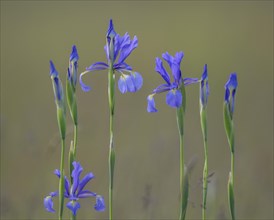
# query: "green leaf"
231,197
112,164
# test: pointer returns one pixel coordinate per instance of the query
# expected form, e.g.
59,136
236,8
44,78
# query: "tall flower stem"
183,185
205,172
111,99
61,181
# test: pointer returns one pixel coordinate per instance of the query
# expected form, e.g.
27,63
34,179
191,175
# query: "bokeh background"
230,36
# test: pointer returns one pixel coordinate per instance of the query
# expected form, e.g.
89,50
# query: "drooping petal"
74,54
76,175
163,88
84,87
73,206
122,84
48,203
174,98
188,81
84,181
97,66
151,104
137,80
86,194
52,71
161,70
122,66
100,204
129,83
127,49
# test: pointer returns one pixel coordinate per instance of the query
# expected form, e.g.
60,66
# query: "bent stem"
111,86
61,181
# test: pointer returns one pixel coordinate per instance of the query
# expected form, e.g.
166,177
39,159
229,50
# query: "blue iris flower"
204,88
174,96
230,91
73,66
117,49
75,192
57,85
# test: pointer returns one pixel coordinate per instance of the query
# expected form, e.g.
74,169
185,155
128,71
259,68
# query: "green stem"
61,181
75,142
111,86
205,180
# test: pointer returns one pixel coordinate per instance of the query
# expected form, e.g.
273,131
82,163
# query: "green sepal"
231,197
111,164
61,118
229,127
71,159
71,99
184,195
203,123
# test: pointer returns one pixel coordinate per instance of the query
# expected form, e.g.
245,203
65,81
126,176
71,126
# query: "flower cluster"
174,96
117,49
75,192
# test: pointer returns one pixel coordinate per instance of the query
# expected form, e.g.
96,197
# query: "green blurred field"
227,35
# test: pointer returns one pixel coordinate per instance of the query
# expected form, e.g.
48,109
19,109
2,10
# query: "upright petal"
74,57
127,49
76,175
111,32
174,98
151,104
161,70
168,58
176,72
73,206
84,181
178,57
100,204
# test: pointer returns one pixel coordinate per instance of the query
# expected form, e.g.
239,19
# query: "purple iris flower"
73,66
204,88
57,85
75,192
230,91
174,96
117,49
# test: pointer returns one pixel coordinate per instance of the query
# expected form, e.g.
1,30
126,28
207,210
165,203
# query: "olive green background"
230,36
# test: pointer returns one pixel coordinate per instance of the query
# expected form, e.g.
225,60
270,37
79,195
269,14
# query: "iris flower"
174,96
73,66
117,49
75,192
230,91
57,85
204,88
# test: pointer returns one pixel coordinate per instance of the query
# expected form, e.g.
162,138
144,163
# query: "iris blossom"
174,97
57,86
117,49
75,192
204,88
230,91
73,66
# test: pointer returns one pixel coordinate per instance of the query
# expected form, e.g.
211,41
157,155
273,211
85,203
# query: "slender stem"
111,86
205,180
232,169
75,142
61,181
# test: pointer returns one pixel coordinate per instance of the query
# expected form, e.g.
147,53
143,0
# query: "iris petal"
174,98
74,54
130,84
53,71
137,80
168,58
84,87
151,104
232,83
127,49
188,81
67,185
48,203
86,194
73,206
161,70
97,66
100,204
84,181
76,175
122,84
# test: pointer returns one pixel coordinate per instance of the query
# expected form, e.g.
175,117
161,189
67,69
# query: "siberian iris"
230,91
204,88
174,97
117,49
75,192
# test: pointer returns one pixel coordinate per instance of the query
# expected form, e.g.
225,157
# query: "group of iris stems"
176,98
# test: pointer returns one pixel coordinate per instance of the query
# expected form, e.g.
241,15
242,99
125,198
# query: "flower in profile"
174,97
117,49
230,91
75,192
204,88
73,66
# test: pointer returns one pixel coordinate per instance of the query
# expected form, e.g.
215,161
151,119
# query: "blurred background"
229,36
